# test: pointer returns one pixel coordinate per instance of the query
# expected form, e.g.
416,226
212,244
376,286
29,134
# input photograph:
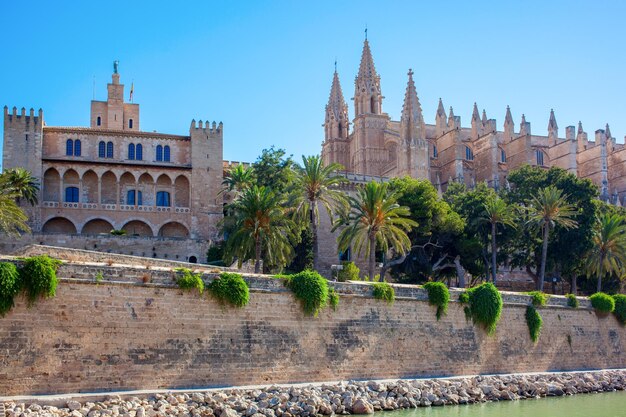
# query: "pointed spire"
440,110
508,118
336,101
451,115
367,70
484,120
552,123
336,122
607,131
452,123
367,93
580,127
475,114
411,120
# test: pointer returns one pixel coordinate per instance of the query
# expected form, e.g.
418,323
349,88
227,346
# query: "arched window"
77,147
69,147
130,123
101,149
130,197
469,155
139,152
99,121
163,199
109,149
131,151
71,194
435,151
539,157
159,153
166,153
502,156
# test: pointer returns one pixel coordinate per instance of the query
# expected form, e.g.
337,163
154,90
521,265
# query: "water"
610,404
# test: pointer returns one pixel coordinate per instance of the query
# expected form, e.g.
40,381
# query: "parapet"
210,129
26,122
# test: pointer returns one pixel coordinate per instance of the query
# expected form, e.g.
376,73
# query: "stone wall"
123,334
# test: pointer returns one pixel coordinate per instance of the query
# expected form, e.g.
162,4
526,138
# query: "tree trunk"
391,263
494,251
372,259
544,256
314,233
460,271
599,286
574,285
257,256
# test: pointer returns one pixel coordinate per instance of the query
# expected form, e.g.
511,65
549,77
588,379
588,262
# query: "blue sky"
265,68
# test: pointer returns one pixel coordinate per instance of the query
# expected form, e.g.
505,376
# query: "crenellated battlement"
28,122
211,129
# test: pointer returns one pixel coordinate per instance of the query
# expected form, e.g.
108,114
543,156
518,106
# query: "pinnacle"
580,127
411,109
552,123
475,115
367,70
484,116
607,131
508,119
441,112
336,102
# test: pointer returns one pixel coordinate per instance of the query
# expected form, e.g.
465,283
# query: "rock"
228,412
362,406
141,412
73,405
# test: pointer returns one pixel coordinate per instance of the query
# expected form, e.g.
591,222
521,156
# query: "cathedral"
446,151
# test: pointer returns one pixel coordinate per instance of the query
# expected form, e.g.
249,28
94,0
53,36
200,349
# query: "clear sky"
264,68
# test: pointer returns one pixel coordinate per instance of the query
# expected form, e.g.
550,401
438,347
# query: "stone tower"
335,147
206,178
367,148
413,155
114,114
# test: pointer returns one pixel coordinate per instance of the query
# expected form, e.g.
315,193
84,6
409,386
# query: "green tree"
608,254
238,179
22,183
496,212
548,209
260,228
12,218
315,184
375,220
273,169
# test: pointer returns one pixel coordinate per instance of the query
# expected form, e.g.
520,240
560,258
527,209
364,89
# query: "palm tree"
496,212
376,220
548,209
315,184
260,228
23,183
608,255
237,179
12,218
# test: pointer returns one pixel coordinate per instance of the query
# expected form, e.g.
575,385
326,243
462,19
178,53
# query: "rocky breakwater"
353,397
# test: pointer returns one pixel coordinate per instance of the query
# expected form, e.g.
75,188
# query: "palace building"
161,189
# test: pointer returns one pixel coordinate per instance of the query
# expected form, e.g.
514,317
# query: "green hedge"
384,291
187,280
620,307
333,298
438,295
311,289
572,300
602,303
538,298
350,272
534,322
484,305
230,288
10,286
39,277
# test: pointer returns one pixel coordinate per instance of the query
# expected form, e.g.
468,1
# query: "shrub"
99,277
534,321
120,232
538,298
187,280
333,298
311,289
230,288
10,286
350,272
215,253
384,291
620,307
572,301
39,276
485,306
438,295
602,303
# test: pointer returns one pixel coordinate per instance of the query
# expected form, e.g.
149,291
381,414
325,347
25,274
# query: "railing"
114,207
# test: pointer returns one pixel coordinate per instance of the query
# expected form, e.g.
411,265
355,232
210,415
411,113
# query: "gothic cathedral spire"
411,122
336,121
368,98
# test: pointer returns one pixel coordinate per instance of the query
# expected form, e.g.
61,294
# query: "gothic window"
502,156
131,151
163,199
77,147
98,121
101,149
139,152
130,197
469,155
69,147
130,123
159,153
109,149
71,194
435,151
539,157
166,153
